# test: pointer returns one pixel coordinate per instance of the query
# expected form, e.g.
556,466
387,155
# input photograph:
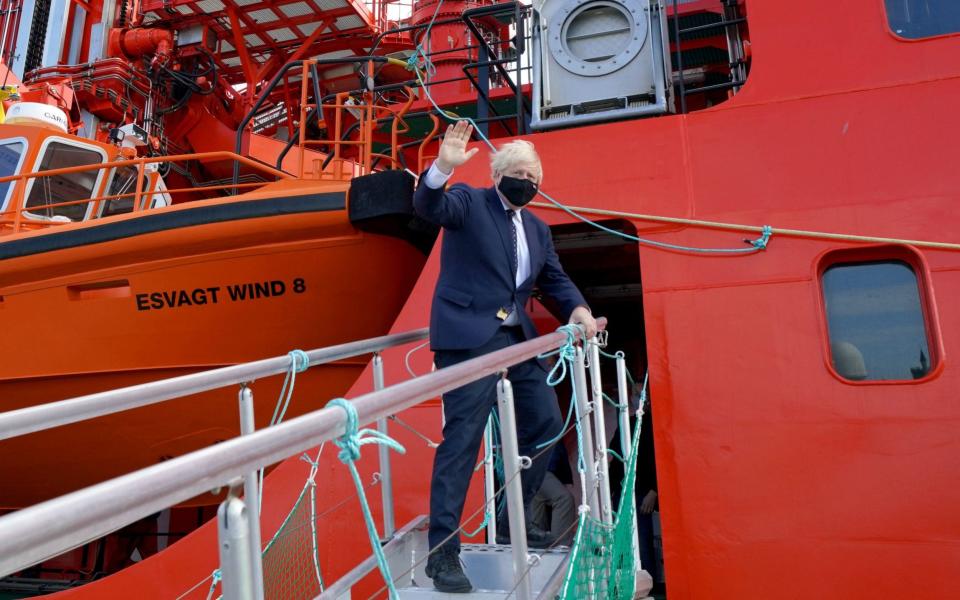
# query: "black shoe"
443,567
536,538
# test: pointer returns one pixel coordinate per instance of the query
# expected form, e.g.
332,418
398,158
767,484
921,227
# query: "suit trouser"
554,510
466,410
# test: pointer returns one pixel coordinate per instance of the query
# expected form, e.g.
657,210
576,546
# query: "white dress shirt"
435,179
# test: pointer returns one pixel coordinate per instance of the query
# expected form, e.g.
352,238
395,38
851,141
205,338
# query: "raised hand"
453,149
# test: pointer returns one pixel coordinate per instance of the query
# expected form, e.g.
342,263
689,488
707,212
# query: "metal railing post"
512,465
600,427
251,492
623,393
233,537
483,85
583,416
386,475
489,485
138,193
676,34
626,439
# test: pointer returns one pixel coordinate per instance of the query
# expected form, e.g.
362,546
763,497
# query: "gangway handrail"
40,532
63,412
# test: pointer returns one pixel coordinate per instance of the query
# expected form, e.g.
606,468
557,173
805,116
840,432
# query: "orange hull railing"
16,219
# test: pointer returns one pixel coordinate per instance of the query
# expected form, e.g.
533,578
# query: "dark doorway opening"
606,267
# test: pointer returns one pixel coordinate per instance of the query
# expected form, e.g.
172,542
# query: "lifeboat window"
875,321
914,19
124,181
11,155
64,187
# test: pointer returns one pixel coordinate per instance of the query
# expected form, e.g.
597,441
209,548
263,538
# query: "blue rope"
756,245
350,443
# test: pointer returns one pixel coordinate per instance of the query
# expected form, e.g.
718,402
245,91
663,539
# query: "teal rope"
611,401
413,61
480,527
757,245
643,390
299,362
616,455
350,443
565,354
618,354
216,576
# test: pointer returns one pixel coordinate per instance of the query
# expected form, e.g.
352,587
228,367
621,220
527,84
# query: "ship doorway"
607,269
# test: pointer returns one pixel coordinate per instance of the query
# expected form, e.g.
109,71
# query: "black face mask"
518,192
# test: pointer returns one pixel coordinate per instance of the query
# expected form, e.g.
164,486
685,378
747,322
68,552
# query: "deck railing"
20,217
40,532
54,414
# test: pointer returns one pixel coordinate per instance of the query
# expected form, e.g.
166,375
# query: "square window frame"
98,186
900,38
5,201
928,305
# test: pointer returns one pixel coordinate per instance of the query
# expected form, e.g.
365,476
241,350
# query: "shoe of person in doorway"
443,567
536,538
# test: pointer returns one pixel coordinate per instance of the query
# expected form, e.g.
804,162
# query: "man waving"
494,254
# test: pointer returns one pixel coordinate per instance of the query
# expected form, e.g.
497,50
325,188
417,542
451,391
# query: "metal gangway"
34,534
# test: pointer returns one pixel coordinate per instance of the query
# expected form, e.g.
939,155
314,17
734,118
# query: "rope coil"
299,360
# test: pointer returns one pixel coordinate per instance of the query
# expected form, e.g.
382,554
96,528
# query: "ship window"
124,182
875,321
65,187
11,152
914,19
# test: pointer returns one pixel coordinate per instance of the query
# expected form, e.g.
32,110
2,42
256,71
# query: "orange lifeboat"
106,280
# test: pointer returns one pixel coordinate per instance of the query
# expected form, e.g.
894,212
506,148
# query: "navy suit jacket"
477,275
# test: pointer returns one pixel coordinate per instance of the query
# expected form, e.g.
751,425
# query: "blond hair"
515,153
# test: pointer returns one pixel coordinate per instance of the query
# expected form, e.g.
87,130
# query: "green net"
290,562
602,561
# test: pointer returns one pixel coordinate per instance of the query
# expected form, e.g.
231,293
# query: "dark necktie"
513,240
